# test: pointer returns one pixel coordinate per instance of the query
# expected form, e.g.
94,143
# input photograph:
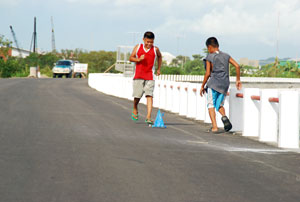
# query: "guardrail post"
129,88
156,94
288,119
169,97
192,101
162,95
201,104
176,97
251,112
183,99
268,127
236,110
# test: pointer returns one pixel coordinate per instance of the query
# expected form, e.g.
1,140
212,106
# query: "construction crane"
16,41
53,37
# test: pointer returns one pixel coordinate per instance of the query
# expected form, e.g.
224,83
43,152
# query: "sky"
244,28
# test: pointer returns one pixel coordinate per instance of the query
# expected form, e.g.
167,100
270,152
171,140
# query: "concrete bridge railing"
271,115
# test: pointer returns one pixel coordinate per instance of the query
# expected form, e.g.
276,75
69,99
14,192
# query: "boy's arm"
206,76
159,61
238,82
133,57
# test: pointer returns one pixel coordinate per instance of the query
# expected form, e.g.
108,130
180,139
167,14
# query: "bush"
171,70
13,67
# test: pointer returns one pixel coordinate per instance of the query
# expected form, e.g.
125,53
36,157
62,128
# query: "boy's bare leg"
212,115
222,111
149,106
135,105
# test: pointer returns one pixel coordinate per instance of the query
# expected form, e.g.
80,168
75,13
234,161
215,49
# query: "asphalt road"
61,141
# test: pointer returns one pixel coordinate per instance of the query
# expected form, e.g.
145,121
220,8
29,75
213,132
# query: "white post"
163,95
288,119
192,101
183,99
268,127
200,104
251,112
156,94
236,110
169,97
176,97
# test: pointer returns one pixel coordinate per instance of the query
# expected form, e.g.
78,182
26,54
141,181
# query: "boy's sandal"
134,117
227,124
149,121
214,132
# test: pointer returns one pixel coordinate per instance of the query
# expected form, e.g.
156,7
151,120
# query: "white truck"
63,67
70,68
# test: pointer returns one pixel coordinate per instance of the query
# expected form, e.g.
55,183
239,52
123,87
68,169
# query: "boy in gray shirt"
217,71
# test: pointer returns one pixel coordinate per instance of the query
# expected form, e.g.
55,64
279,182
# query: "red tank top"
145,69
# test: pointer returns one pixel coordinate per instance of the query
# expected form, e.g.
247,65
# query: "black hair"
149,35
212,41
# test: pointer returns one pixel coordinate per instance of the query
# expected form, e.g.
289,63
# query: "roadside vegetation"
99,61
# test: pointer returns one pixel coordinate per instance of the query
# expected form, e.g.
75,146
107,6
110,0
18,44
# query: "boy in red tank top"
145,55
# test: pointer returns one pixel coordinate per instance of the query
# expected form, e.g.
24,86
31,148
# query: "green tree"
5,45
98,61
195,66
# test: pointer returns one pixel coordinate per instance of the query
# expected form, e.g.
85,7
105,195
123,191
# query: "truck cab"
63,67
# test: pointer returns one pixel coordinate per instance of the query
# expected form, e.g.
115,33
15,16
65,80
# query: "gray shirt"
219,77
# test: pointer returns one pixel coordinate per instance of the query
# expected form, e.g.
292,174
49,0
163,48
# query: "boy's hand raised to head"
238,85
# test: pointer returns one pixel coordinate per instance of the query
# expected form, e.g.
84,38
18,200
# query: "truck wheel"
69,75
54,75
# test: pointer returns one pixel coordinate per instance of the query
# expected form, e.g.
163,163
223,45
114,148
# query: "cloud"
241,20
254,20
10,2
93,2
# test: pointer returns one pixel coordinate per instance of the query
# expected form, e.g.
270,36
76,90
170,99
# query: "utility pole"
53,37
277,41
34,36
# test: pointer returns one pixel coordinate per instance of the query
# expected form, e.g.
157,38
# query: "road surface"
61,141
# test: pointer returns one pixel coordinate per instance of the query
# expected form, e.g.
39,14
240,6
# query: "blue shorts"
215,99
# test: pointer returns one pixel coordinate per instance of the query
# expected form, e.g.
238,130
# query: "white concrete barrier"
183,99
162,95
271,115
288,119
251,112
169,98
268,125
156,94
200,104
236,111
176,97
192,101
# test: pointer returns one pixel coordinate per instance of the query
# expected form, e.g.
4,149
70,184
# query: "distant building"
14,52
167,57
247,62
290,62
